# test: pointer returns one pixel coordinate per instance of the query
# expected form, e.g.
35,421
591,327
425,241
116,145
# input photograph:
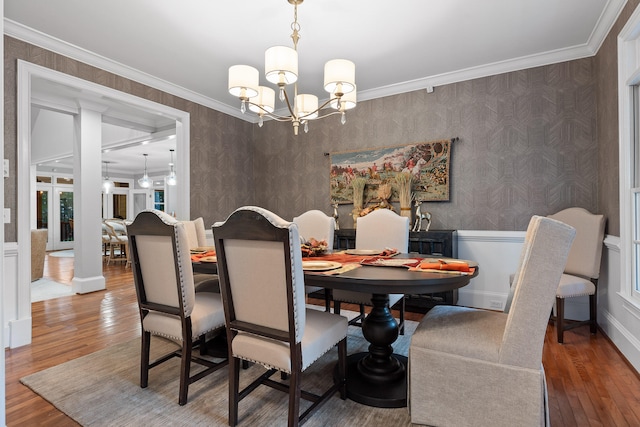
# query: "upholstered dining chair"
380,229
197,237
262,285
581,273
169,306
196,232
315,223
118,239
473,367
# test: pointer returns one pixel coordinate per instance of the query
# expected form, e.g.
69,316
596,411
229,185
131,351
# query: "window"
629,125
158,200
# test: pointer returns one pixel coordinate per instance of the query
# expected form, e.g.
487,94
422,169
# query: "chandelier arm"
328,114
270,114
286,98
319,109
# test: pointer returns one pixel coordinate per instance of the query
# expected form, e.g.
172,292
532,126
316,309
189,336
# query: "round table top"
390,280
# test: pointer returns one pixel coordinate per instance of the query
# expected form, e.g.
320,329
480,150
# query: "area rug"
102,389
46,289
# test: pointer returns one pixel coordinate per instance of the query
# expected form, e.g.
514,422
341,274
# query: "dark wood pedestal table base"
379,377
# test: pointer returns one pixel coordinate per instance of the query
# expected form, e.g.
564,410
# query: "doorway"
28,74
54,212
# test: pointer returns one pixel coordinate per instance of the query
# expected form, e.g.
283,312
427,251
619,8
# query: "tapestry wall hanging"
427,162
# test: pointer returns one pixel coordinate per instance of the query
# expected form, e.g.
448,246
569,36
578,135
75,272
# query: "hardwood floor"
589,383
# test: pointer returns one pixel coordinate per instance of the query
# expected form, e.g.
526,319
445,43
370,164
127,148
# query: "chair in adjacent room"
169,306
380,229
473,367
316,224
262,285
117,232
38,252
581,273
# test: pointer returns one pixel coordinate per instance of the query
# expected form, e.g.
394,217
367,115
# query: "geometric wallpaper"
527,145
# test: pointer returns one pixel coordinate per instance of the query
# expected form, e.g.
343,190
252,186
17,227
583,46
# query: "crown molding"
604,25
45,41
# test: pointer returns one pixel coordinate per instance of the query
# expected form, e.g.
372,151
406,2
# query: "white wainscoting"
498,254
16,323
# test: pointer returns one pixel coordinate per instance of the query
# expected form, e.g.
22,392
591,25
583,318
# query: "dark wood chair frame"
563,324
250,225
152,225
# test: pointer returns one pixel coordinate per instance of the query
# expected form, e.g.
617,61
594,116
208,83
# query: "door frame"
26,171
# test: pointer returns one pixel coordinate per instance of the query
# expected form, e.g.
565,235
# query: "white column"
87,201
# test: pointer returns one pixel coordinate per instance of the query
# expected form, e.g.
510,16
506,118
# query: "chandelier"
281,69
107,184
171,179
145,182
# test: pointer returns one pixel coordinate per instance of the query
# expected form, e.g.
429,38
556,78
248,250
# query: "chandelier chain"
295,27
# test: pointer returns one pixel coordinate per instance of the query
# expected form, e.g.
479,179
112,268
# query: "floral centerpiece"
313,247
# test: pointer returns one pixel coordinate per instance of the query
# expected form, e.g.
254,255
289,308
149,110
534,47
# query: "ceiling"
186,47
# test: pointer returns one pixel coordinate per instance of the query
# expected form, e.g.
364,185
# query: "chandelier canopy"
281,69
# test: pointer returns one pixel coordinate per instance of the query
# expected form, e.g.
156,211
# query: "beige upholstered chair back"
260,270
316,224
382,229
162,261
535,282
586,252
196,232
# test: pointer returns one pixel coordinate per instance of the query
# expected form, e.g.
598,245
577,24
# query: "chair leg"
402,307
327,300
342,368
593,313
294,398
560,319
234,380
144,359
185,369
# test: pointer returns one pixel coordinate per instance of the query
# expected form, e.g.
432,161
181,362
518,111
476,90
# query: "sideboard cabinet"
433,242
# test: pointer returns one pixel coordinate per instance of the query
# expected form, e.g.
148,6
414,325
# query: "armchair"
470,367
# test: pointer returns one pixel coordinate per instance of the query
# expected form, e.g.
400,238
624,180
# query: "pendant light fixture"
145,182
107,184
171,178
281,69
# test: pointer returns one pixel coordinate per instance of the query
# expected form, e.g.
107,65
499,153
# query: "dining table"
377,377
